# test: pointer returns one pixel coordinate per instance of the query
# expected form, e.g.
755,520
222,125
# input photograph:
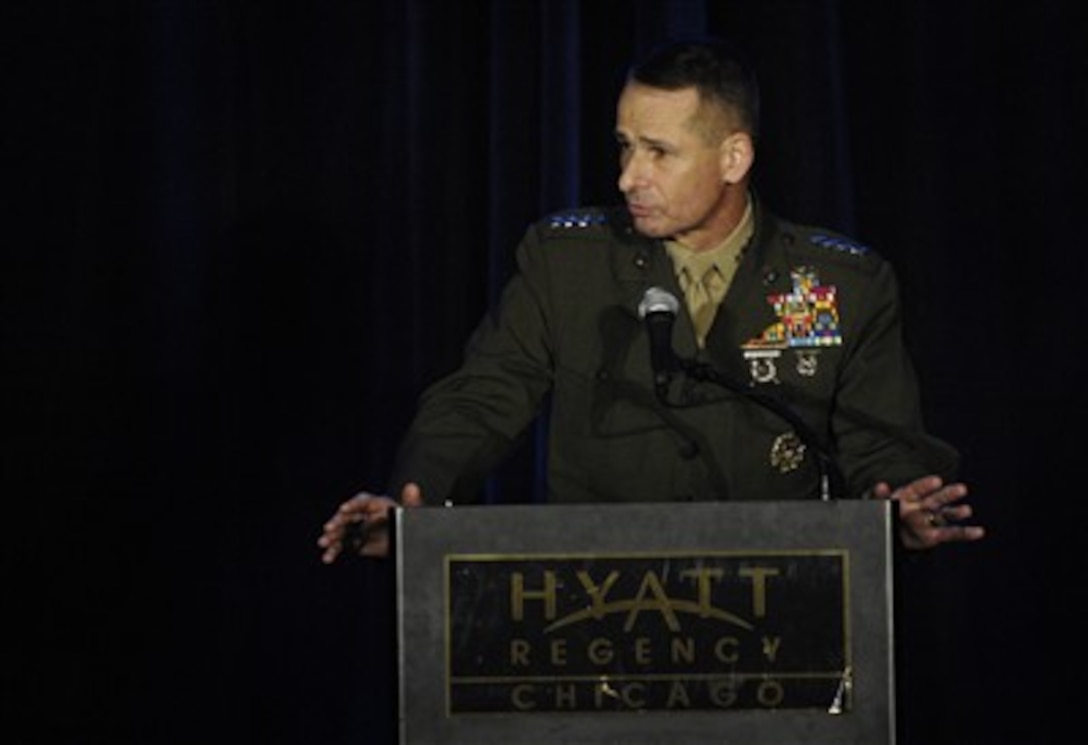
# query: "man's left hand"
931,512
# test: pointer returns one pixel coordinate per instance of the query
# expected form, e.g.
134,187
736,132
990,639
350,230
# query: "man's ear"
737,154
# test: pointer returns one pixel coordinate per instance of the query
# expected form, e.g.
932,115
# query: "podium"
755,623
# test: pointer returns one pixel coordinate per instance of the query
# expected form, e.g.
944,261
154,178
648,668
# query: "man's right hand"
366,516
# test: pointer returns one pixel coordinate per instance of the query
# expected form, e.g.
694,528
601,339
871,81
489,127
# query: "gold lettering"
703,577
770,693
565,696
723,693
720,649
519,652
597,592
518,595
759,577
642,651
600,651
771,646
521,698
651,585
678,696
559,651
683,649
630,700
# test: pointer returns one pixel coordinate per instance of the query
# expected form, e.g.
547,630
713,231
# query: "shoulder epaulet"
576,220
838,243
805,244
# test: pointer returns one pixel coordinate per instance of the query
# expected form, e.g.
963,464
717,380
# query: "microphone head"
658,300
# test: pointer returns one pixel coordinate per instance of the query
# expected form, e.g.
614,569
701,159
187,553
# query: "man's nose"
630,173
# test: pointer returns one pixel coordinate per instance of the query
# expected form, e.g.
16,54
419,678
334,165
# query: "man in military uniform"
793,367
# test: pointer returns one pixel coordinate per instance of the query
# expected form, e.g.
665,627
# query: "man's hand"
361,524
931,513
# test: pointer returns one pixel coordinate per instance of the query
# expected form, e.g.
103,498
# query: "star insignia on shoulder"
576,219
839,244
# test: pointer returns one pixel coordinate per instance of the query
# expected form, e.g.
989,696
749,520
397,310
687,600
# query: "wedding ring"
936,519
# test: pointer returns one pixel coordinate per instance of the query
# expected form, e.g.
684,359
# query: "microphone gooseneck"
658,309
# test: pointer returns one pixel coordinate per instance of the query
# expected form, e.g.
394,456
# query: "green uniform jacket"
811,318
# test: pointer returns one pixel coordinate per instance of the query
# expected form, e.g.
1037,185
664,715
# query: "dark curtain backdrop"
240,237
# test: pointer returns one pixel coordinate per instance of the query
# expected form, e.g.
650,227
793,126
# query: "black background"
239,237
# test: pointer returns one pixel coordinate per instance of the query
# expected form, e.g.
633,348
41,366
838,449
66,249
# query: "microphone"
658,308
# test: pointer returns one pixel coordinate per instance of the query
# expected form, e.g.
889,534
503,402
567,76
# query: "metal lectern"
755,623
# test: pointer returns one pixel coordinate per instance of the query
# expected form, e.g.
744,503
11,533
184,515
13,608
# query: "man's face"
670,174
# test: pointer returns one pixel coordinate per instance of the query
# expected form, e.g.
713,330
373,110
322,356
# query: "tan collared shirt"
705,276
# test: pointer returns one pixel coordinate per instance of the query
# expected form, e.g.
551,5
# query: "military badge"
761,364
807,362
787,452
808,318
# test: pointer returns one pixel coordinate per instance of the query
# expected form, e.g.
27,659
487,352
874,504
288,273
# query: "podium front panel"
660,624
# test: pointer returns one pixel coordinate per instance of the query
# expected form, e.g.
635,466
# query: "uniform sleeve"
469,420
877,421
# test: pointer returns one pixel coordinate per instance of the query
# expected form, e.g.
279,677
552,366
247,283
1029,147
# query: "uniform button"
602,375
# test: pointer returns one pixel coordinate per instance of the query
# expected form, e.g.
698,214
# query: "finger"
332,537
882,491
334,528
358,503
332,550
332,532
938,515
956,513
960,533
940,508
949,494
972,532
918,489
411,495
351,512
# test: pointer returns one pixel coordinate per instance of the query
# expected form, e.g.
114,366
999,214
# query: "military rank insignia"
808,319
577,219
787,452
